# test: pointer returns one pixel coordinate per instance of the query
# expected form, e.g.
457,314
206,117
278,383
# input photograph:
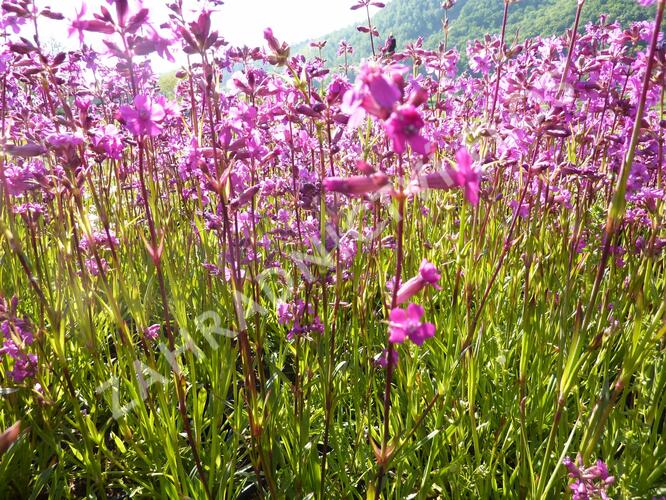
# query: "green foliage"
472,19
167,84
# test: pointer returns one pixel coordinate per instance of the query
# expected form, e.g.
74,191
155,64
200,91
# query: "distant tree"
472,19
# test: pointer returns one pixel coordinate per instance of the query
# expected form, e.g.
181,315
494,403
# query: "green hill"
471,19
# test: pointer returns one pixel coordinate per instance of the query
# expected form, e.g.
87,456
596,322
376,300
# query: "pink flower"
467,177
18,335
365,3
428,275
171,108
590,482
108,139
352,104
407,324
77,25
154,43
145,117
99,239
404,127
382,359
464,176
336,90
357,184
345,48
152,332
384,91
376,91
279,51
284,313
93,267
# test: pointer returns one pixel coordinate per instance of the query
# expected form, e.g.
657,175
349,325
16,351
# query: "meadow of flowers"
301,279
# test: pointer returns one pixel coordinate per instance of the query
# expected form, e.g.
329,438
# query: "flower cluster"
18,337
407,324
301,317
590,482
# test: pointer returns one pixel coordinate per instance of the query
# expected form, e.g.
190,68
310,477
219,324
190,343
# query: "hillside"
471,19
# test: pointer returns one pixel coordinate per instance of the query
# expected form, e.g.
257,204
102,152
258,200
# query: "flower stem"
572,46
390,365
618,202
500,61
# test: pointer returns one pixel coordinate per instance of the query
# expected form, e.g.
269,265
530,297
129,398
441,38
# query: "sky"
241,22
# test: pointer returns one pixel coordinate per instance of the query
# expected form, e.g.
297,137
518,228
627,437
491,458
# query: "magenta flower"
428,275
466,176
376,92
279,51
18,336
382,359
65,141
152,332
407,324
404,127
145,117
154,43
99,239
357,184
25,177
273,42
384,91
301,317
284,313
352,105
77,25
26,150
590,482
171,108
93,267
108,139
345,48
245,197
366,3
